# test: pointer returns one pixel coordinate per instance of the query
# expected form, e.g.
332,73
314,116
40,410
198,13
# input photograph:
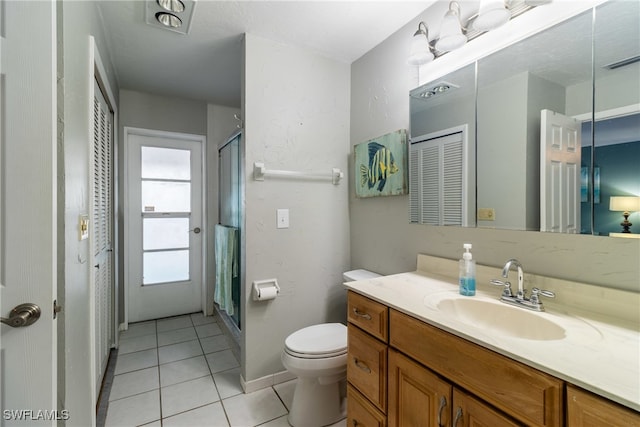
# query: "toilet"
317,355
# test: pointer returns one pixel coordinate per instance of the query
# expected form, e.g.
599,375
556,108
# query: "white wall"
296,111
79,20
380,82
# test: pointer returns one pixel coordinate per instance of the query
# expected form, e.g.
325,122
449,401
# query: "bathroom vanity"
419,355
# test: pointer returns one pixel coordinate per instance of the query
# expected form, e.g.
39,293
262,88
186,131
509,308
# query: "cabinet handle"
362,366
458,417
359,314
443,404
355,423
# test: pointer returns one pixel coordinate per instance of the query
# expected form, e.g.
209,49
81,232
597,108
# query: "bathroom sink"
495,318
503,319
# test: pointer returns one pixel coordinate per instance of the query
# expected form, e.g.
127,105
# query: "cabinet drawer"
361,413
521,391
368,315
367,367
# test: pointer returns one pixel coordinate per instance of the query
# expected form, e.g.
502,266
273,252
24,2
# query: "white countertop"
598,356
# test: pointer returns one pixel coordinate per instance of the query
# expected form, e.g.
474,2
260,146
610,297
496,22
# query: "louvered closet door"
102,231
437,189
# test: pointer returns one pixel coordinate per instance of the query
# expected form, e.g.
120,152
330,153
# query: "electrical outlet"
486,214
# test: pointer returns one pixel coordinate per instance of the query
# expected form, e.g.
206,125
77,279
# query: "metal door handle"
22,315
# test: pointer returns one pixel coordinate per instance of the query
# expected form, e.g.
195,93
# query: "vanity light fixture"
455,34
420,47
451,36
492,14
625,204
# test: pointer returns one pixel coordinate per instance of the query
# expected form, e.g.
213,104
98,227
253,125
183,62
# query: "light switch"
83,227
282,218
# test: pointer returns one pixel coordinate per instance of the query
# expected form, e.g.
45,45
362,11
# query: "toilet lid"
327,339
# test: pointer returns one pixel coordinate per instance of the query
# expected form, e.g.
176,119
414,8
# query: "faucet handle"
506,292
536,292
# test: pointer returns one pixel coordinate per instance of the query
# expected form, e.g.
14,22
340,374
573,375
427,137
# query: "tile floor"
181,371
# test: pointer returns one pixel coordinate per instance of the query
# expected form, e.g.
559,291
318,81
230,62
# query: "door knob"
22,315
196,230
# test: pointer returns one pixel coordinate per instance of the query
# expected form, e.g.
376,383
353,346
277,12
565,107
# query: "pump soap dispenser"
467,272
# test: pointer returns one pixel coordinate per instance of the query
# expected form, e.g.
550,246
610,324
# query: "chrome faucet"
520,298
521,294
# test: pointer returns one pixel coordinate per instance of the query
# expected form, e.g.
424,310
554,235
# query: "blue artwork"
381,165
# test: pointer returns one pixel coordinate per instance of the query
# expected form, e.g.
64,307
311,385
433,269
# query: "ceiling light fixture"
169,20
454,34
175,6
172,15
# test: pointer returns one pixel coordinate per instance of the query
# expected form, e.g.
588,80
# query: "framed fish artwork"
381,165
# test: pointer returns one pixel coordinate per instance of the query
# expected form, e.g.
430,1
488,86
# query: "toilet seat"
318,341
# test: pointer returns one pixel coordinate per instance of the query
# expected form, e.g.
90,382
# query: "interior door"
559,173
102,217
28,182
165,238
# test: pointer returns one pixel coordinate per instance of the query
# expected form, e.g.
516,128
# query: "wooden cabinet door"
587,409
417,397
469,411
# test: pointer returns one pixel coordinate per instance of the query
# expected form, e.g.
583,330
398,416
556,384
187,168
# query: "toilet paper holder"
264,289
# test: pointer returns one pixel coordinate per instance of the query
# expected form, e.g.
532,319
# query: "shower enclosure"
231,214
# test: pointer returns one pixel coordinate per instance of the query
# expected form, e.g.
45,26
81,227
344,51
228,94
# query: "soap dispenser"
467,272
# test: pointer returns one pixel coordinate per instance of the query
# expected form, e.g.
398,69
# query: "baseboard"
266,381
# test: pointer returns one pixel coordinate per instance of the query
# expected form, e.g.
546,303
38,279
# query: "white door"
559,173
102,217
165,230
28,181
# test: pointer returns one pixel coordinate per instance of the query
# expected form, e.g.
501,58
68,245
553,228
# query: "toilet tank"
353,275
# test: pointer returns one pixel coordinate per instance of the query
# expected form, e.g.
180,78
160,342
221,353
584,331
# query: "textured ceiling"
206,63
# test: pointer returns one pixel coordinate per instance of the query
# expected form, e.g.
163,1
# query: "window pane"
165,233
160,196
166,163
163,267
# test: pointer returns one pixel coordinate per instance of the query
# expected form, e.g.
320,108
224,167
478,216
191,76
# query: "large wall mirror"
535,93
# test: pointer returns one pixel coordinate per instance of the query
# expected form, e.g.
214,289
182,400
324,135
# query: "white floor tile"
215,343
183,370
221,361
143,342
254,408
183,350
139,329
342,423
278,422
134,361
176,336
210,415
157,423
208,330
172,323
228,383
188,395
135,382
285,391
135,410
201,319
